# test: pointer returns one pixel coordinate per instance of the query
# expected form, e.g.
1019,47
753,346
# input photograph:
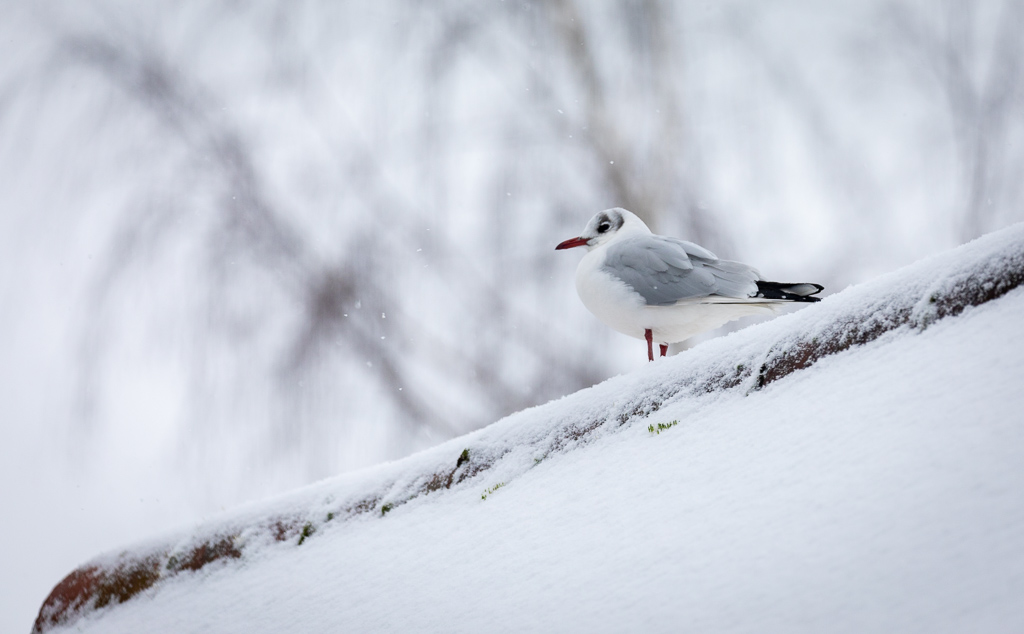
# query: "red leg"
649,336
664,349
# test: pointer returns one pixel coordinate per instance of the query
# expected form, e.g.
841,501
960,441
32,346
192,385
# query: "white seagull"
666,290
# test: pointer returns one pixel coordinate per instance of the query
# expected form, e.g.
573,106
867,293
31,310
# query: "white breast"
609,298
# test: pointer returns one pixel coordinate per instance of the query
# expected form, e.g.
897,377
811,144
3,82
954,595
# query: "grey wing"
665,271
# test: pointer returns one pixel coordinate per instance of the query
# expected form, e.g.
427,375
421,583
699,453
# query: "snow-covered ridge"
901,303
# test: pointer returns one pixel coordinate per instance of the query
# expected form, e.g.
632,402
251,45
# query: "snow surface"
881,489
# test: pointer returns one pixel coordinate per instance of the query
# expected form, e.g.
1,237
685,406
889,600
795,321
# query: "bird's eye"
604,226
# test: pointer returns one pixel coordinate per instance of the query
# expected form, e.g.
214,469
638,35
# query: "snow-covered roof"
725,488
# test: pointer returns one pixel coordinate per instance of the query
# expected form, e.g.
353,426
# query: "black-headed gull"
666,290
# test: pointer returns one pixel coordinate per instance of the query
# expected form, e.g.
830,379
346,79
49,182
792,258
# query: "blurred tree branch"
252,228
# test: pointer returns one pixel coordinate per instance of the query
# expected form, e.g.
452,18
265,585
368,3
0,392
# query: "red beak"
570,243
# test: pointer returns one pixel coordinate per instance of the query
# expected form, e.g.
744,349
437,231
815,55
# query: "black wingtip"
799,292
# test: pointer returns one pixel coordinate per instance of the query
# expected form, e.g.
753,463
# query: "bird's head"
604,227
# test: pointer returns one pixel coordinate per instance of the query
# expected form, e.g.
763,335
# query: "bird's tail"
801,292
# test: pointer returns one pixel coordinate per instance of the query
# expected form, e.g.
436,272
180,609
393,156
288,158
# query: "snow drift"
703,490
